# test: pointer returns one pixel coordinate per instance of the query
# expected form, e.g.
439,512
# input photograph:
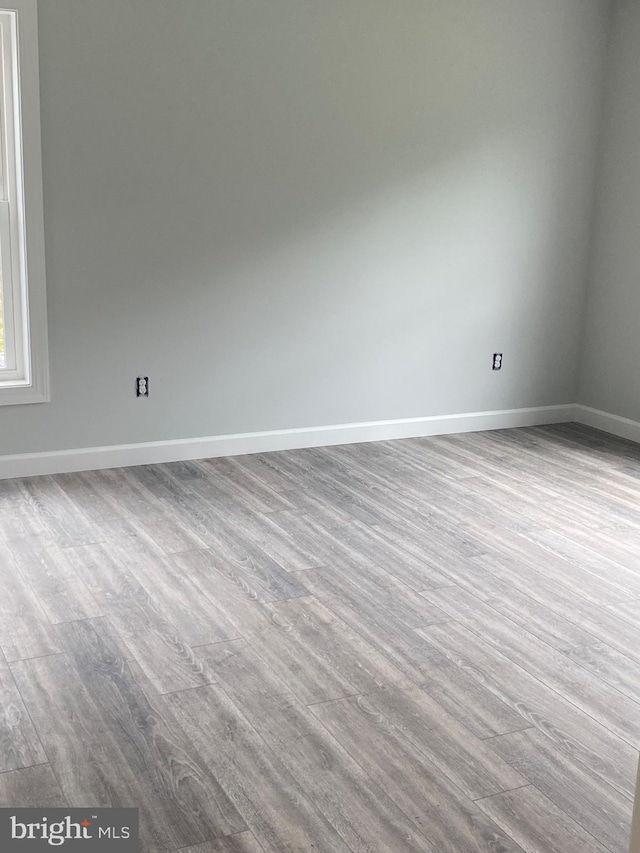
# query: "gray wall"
611,363
292,213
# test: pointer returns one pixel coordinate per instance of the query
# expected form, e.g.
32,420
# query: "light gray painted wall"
295,213
610,378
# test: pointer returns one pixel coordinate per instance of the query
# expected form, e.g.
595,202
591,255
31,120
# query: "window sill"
16,393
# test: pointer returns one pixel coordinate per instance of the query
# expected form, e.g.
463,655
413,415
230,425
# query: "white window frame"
25,379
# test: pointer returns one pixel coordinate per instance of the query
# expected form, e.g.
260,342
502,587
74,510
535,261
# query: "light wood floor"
421,645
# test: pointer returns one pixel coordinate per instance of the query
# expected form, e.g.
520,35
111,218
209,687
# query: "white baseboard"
178,450
615,424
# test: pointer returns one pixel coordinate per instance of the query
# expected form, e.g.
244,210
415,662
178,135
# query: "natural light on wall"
23,329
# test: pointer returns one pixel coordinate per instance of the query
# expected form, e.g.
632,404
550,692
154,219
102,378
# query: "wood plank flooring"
419,646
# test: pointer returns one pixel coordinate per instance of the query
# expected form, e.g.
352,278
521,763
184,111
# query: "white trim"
615,424
178,450
33,387
181,449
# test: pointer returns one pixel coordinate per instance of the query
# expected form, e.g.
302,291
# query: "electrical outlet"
497,361
142,386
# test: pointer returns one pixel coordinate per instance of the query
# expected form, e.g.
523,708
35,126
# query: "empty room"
320,426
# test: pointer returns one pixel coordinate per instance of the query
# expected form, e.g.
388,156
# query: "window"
23,328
